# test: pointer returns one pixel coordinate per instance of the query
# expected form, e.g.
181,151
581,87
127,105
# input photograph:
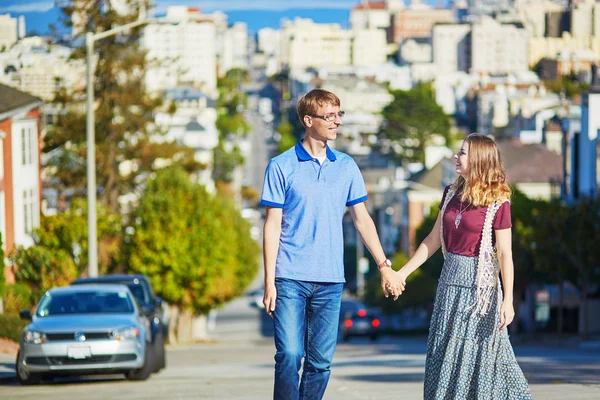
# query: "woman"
469,355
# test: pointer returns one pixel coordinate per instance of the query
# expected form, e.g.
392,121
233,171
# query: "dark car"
149,305
355,320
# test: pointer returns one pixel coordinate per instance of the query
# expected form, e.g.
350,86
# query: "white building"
358,95
415,50
374,14
450,47
8,31
369,47
192,125
306,44
35,67
269,41
235,48
181,50
22,30
498,48
485,47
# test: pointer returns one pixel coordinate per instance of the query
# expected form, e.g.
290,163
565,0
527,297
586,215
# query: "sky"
256,13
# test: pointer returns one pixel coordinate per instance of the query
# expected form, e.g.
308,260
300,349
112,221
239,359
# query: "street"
239,365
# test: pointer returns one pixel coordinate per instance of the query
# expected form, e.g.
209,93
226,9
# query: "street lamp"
90,38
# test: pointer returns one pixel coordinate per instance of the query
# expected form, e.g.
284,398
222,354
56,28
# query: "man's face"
321,129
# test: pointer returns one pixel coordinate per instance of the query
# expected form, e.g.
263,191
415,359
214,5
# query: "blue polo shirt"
313,197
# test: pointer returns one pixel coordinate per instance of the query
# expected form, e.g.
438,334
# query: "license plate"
363,325
79,352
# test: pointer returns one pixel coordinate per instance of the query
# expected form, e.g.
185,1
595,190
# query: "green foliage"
67,232
42,269
287,140
11,326
232,124
17,297
225,162
411,120
569,85
60,252
2,255
123,110
195,248
525,213
566,240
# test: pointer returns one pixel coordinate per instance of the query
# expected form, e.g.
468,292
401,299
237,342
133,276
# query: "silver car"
82,330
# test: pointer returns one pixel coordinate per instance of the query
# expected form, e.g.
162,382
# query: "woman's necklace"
459,215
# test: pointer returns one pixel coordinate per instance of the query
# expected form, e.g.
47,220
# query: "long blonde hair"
486,181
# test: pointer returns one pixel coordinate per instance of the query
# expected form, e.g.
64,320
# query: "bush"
16,297
11,326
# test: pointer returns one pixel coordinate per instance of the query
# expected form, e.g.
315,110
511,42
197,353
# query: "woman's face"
462,160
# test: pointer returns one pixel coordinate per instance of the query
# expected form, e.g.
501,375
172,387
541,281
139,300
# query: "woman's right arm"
425,250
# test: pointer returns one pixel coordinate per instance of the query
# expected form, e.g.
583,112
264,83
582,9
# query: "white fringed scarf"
488,266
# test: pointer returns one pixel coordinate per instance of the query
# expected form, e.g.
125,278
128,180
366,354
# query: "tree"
195,248
529,269
573,231
42,269
287,140
123,109
59,254
411,121
225,163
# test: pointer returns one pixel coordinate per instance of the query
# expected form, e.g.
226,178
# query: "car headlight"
125,334
35,337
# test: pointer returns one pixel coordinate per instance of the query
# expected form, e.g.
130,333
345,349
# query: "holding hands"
392,282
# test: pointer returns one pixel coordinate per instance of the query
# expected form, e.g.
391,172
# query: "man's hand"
269,299
392,282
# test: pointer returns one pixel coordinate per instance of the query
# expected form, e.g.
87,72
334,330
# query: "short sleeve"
444,197
502,220
357,192
273,193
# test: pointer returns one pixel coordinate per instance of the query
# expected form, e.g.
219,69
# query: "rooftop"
13,99
371,5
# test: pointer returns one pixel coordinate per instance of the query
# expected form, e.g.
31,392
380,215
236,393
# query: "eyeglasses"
329,117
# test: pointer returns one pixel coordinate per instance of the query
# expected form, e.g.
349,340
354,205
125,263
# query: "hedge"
11,326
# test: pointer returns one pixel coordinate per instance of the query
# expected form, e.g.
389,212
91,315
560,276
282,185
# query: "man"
306,191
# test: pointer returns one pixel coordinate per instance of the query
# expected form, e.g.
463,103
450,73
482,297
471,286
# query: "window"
27,145
30,220
26,218
24,146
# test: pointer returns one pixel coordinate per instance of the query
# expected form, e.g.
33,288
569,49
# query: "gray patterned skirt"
468,357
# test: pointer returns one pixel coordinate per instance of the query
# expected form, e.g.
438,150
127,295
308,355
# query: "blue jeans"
306,325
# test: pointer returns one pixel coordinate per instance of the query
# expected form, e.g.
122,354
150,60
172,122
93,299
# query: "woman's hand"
507,313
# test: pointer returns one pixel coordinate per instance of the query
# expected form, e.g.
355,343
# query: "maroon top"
466,239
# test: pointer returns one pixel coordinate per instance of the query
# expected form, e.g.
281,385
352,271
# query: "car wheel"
25,377
143,373
160,360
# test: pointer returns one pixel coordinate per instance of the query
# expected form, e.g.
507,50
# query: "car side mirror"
158,302
25,314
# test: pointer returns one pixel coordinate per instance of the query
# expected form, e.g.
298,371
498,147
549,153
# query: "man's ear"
307,121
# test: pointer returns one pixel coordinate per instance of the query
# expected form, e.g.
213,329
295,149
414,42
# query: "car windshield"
88,302
139,293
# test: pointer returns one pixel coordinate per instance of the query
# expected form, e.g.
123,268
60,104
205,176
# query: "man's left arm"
368,232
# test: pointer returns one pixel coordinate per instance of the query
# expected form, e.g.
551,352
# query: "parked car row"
107,325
